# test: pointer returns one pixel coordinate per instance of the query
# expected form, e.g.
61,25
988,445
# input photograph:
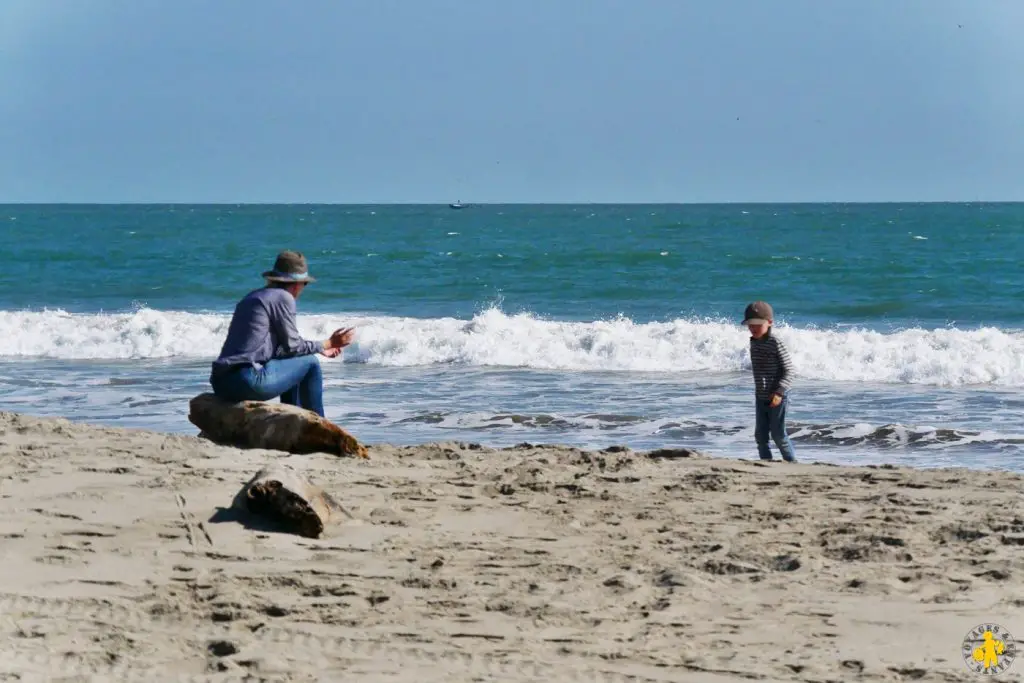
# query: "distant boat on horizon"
456,205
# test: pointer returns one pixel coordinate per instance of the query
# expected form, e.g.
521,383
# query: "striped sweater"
772,366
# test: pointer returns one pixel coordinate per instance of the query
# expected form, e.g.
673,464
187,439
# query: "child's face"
759,330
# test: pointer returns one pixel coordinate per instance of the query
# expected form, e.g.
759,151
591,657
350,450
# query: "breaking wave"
947,357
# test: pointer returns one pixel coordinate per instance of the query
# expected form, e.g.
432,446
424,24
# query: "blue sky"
514,101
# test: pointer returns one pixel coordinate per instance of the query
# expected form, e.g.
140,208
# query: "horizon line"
506,203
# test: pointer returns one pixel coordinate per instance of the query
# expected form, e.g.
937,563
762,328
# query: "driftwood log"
279,494
276,426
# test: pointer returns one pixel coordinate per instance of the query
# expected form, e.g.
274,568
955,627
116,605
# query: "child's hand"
776,401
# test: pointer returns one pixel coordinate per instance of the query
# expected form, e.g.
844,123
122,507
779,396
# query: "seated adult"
264,356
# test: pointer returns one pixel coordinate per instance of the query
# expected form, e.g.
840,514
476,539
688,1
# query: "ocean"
588,325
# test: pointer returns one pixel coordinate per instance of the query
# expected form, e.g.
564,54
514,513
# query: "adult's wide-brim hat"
290,266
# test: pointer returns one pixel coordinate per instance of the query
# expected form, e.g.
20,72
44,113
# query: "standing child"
773,375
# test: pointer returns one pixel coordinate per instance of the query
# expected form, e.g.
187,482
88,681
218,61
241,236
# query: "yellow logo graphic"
989,649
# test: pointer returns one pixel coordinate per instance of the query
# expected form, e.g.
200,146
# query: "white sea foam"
948,357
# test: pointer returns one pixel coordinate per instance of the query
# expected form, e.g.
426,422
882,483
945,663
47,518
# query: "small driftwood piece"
289,500
276,426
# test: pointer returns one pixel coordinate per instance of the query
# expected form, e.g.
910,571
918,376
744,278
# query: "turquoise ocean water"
590,325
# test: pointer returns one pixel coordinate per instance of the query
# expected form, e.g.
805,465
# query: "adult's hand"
340,338
331,353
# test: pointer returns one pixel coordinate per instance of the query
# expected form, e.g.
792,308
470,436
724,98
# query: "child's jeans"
772,421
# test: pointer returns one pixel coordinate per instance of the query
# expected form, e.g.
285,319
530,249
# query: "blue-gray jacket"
262,328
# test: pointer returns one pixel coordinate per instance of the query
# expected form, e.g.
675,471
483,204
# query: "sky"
380,101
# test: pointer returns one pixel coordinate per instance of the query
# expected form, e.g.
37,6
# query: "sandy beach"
121,561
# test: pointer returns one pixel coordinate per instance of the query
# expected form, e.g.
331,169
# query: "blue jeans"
298,381
772,421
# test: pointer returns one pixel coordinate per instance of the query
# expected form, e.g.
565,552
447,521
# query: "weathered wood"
276,426
288,499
